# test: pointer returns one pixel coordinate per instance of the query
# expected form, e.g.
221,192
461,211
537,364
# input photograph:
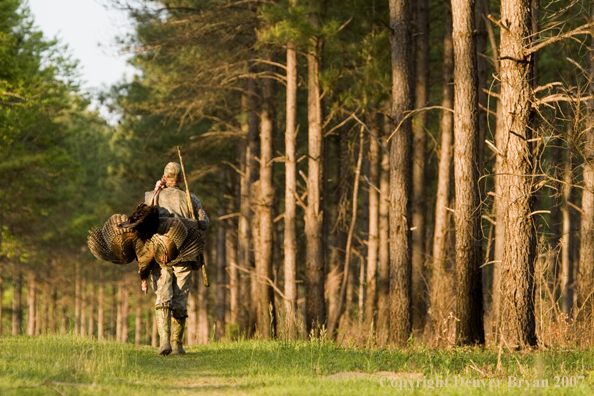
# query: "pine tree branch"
584,29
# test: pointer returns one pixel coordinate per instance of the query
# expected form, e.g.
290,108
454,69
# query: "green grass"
54,365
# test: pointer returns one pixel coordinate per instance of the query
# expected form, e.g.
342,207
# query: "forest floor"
67,365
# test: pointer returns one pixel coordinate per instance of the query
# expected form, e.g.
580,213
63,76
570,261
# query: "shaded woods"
391,171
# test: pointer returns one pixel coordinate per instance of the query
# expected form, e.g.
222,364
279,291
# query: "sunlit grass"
53,365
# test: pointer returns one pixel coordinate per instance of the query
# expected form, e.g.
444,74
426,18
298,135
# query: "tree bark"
264,200
77,299
482,76
469,287
400,174
114,308
498,205
203,329
17,307
54,314
125,313
314,215
441,279
586,268
290,242
567,262
246,313
384,251
419,128
149,327
45,308
31,303
138,322
92,306
372,243
231,253
192,317
119,314
221,278
100,304
83,304
339,228
517,322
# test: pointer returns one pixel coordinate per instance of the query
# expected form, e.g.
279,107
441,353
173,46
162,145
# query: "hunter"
172,284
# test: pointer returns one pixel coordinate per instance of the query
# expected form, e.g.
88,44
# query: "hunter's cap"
172,172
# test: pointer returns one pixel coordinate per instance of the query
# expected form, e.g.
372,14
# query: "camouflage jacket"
173,202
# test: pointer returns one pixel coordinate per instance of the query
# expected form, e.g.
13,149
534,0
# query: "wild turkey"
148,238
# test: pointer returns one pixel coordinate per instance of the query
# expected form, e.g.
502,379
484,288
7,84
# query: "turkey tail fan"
99,247
193,245
112,243
168,240
174,229
178,240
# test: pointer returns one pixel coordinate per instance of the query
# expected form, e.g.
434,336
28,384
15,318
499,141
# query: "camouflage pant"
172,285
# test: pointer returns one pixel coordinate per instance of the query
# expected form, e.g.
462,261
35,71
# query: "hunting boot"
177,335
164,327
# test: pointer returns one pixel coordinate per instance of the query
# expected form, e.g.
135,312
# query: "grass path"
66,365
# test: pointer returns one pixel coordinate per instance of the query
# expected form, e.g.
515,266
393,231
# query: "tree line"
371,169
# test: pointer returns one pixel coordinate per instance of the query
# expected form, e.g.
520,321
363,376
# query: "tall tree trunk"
290,241
499,205
419,127
31,303
264,200
202,329
482,76
119,316
192,317
231,252
221,281
246,314
77,299
314,215
498,202
567,264
400,174
517,269
138,322
148,328
100,306
125,313
469,286
83,304
17,306
441,279
113,326
45,307
54,315
585,281
339,228
372,244
384,251
92,306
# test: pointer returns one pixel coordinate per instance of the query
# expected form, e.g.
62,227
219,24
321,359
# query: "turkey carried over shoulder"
148,238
